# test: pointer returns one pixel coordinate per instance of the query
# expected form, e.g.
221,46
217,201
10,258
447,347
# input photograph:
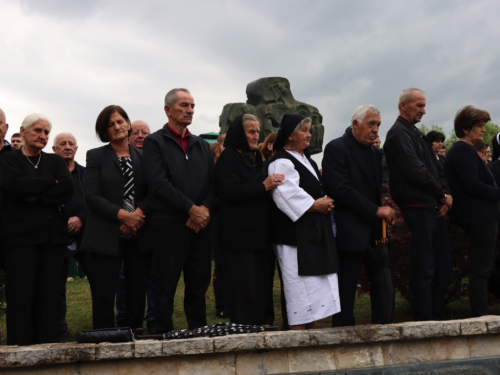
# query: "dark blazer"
42,221
103,186
348,182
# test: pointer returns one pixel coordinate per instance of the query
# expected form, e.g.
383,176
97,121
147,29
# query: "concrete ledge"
267,352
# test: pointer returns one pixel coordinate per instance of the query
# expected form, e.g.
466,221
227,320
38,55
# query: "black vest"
312,233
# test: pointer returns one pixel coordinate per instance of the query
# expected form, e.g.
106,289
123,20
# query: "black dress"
244,221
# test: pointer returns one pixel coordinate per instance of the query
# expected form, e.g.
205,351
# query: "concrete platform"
325,351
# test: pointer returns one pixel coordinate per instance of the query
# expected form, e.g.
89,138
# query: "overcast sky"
70,59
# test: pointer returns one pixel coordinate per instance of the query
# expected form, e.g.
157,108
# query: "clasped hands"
199,217
131,222
323,205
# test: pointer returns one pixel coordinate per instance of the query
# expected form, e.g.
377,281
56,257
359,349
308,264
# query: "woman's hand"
133,220
273,181
323,205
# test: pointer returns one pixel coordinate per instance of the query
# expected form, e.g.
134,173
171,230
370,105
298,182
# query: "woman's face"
37,135
252,129
437,146
475,134
118,127
301,139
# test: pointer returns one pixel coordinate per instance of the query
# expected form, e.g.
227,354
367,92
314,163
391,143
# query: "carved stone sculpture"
270,99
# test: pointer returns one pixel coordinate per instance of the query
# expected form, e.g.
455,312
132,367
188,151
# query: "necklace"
38,162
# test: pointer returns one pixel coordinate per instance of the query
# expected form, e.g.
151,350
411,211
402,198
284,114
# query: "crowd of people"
150,207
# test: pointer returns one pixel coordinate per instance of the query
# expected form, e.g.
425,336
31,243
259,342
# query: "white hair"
66,134
406,94
360,112
304,120
34,117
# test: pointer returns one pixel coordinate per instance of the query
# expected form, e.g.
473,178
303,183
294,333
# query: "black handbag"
96,336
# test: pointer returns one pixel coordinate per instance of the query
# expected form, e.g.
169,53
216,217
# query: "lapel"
355,155
112,155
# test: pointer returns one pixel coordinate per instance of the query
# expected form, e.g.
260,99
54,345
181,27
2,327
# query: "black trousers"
350,265
482,239
33,288
431,262
177,249
104,279
249,277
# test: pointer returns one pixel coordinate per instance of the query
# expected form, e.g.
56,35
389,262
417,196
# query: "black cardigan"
475,195
243,203
40,222
312,233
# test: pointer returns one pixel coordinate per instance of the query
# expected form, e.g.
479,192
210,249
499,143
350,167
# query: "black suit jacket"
103,186
349,183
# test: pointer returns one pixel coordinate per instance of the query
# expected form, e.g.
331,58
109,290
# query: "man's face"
140,130
414,109
181,113
366,132
16,142
3,126
376,143
65,146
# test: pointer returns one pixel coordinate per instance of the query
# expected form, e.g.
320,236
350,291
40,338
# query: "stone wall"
268,352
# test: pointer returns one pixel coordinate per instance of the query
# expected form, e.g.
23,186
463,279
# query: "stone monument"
270,99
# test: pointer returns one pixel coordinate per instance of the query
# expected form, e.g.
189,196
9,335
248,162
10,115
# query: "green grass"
79,312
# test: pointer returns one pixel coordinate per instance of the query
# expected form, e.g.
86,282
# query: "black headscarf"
288,124
237,139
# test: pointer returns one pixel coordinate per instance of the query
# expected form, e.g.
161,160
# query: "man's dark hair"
480,146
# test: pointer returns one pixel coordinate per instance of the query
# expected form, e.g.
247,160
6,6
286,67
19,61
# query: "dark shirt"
76,204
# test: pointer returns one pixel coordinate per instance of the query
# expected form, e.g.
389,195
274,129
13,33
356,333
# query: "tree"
491,131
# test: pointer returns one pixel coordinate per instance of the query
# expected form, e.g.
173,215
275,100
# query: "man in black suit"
179,170
352,175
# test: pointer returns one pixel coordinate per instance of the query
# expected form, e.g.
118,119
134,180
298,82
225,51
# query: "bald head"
140,130
66,146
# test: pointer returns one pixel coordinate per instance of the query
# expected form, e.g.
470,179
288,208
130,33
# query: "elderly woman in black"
116,194
34,234
475,200
303,234
242,191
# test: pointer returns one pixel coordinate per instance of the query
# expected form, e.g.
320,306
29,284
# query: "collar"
402,119
176,134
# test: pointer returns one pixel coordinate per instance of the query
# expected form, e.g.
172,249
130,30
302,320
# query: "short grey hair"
34,117
172,95
62,134
247,117
406,94
360,112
